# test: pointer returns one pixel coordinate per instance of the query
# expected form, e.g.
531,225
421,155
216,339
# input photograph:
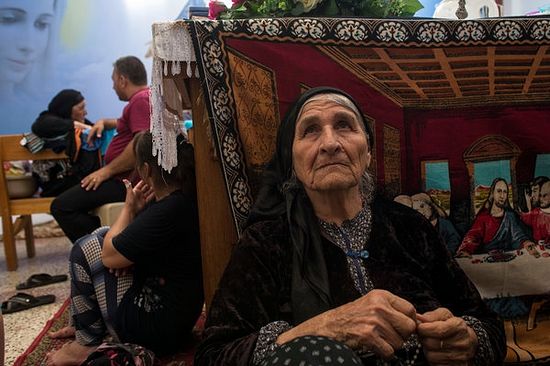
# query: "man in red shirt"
72,208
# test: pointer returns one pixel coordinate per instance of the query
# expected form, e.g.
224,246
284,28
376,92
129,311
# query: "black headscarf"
62,104
56,124
278,198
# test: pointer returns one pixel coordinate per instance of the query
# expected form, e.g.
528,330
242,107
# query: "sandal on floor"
40,279
23,301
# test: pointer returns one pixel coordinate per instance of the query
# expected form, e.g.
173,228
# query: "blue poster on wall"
49,45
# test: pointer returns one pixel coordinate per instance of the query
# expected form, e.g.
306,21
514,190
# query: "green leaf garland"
323,8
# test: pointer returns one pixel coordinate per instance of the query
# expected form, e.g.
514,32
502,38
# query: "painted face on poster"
25,32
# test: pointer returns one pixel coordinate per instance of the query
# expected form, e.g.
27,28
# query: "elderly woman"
326,273
61,127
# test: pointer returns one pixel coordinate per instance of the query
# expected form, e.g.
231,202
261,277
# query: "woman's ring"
441,344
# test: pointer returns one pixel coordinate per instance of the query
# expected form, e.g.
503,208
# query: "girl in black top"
140,280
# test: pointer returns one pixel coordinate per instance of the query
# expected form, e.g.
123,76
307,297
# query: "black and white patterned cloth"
95,292
312,351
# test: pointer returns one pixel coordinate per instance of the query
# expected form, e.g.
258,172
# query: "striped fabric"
95,292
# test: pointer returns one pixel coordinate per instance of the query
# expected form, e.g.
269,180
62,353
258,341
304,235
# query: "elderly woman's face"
79,112
24,33
330,149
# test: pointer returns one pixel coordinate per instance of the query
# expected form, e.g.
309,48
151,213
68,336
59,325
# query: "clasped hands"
381,322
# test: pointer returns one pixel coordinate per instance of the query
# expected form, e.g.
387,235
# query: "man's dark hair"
132,68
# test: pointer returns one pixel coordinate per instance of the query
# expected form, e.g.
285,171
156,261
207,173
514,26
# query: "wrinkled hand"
446,339
94,180
138,196
378,322
96,131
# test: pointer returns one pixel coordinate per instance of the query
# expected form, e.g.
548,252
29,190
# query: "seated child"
141,279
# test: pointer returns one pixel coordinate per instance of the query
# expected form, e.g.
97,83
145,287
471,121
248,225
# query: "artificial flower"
215,8
331,8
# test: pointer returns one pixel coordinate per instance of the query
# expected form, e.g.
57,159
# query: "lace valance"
173,53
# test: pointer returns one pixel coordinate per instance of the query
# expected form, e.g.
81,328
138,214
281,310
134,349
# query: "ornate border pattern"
209,42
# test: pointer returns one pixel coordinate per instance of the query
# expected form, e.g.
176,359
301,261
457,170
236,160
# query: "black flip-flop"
40,279
23,301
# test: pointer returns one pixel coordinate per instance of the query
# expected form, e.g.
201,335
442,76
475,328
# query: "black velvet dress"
406,257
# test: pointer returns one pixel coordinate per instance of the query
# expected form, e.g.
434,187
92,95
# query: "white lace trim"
172,48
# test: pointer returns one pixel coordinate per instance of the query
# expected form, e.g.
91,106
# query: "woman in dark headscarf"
66,111
60,127
323,257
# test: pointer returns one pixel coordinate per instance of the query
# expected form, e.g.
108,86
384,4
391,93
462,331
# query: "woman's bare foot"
71,354
65,332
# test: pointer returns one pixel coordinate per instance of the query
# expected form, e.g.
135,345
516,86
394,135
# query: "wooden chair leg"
18,225
29,236
9,243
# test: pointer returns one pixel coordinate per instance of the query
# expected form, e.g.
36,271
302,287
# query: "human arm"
100,126
157,229
136,199
80,125
447,339
122,163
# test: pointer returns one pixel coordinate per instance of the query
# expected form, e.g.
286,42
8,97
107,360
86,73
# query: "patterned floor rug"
48,229
37,351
